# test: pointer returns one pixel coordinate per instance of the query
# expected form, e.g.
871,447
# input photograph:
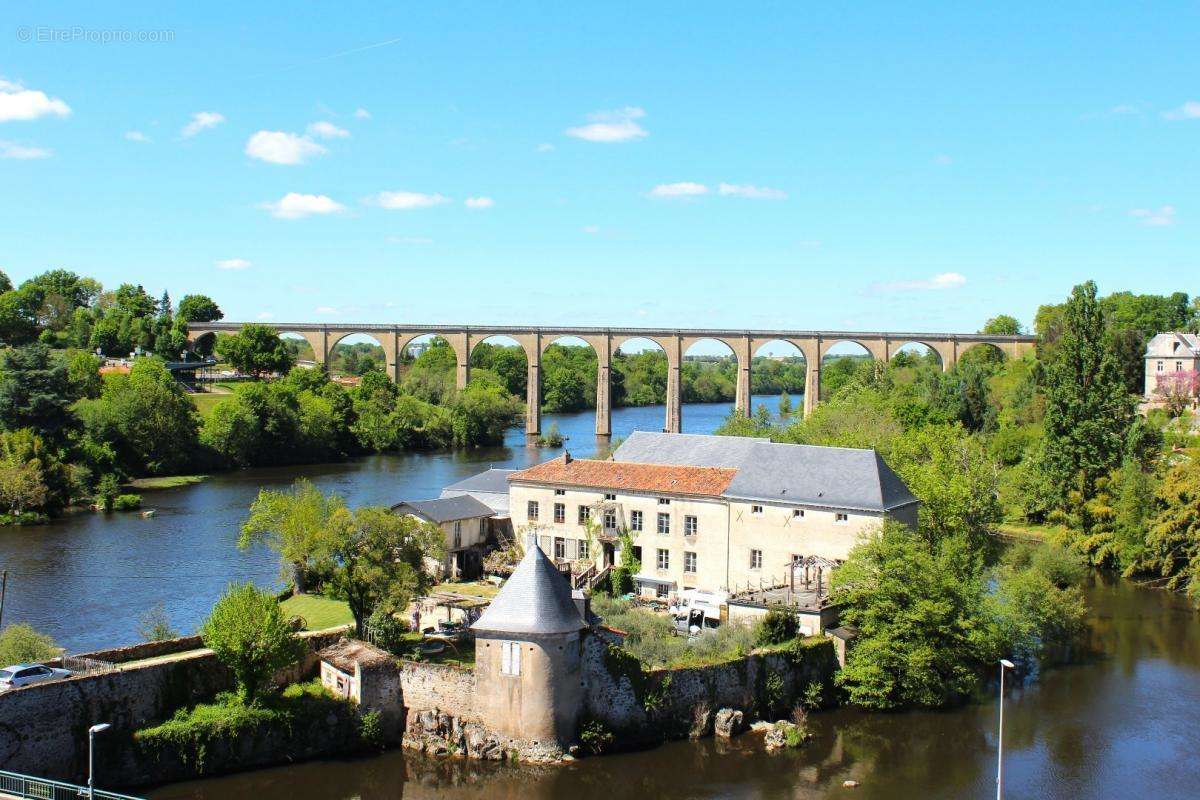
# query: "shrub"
127,502
778,626
595,736
155,626
370,730
248,634
20,643
387,631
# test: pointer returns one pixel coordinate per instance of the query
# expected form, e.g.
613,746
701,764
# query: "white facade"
1168,354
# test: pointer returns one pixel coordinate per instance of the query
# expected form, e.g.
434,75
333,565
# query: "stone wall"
43,728
440,687
668,704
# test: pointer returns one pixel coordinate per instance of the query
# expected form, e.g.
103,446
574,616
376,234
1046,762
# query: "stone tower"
528,680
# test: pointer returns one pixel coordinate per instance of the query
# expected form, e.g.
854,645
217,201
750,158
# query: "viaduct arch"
813,345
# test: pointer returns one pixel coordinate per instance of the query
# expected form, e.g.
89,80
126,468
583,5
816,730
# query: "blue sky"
669,164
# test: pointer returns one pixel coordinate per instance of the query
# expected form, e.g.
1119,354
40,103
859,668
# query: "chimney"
566,457
583,603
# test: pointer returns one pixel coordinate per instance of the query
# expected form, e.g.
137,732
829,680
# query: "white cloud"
943,280
943,160
19,103
1155,217
1189,110
294,206
279,147
326,310
479,203
405,201
681,189
544,147
22,152
232,263
591,230
201,120
1124,108
265,315
611,126
327,130
137,136
752,192
362,113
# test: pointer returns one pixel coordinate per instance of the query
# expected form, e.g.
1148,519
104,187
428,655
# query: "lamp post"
92,731
1004,664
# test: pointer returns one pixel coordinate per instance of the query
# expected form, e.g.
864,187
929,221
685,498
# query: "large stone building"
1167,356
714,513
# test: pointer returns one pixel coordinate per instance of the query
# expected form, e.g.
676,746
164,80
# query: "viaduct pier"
813,345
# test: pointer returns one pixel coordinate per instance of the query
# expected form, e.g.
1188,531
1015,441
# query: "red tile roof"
628,476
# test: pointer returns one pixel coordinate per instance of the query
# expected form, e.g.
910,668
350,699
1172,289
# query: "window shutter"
516,658
506,658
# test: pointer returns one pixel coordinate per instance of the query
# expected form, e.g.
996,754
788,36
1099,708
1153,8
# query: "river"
1122,724
86,578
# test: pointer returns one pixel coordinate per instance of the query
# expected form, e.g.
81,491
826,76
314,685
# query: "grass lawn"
1024,530
205,402
318,612
165,482
473,588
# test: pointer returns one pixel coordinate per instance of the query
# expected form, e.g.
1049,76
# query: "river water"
86,579
1120,725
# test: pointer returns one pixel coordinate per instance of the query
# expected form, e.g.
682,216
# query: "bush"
595,736
155,625
778,626
20,644
388,632
127,502
370,730
248,634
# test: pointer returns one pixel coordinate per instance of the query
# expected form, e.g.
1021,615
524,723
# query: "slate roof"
445,509
489,487
837,477
536,599
1164,345
629,476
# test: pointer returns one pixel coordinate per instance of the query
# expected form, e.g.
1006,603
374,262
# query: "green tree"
22,485
155,625
297,524
247,633
21,644
1088,408
378,559
923,623
256,350
83,372
35,392
198,308
955,479
1173,540
17,323
1004,325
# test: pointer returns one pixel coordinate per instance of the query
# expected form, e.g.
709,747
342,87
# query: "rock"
728,722
784,734
849,784
702,723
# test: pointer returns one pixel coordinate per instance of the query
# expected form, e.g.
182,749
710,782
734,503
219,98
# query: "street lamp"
1004,664
92,731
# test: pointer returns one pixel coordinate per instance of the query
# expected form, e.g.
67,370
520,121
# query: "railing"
13,784
86,666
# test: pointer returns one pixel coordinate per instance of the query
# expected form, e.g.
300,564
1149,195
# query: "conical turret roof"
536,599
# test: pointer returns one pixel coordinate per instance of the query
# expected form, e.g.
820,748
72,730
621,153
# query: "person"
416,619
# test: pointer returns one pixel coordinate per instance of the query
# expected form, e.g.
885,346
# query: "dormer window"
609,496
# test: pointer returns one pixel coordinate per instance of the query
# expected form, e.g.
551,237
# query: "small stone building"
365,674
465,522
528,654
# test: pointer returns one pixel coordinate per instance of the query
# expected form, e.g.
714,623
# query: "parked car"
25,674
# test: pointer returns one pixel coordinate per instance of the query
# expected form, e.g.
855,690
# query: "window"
689,562
608,496
1160,366
510,658
560,492
458,533
664,524
690,526
664,559
585,514
664,501
583,548
797,512
841,517
531,510
560,512
610,520
1179,366
756,559
756,510
661,591
560,548
635,520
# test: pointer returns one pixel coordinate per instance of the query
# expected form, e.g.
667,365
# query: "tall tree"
247,633
35,392
1088,406
257,350
1003,324
199,308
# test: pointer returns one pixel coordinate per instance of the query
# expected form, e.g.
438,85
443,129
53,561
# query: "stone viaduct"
813,345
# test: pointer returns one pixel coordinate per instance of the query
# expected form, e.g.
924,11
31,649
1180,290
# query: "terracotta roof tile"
629,476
